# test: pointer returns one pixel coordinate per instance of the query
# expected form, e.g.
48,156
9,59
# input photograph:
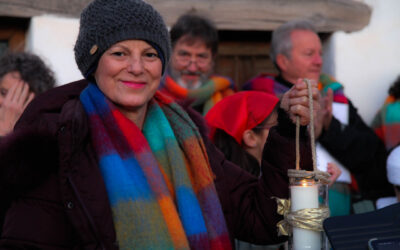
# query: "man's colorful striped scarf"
328,82
158,180
386,122
268,83
207,95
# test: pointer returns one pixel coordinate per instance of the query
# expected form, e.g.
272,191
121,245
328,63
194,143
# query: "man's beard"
189,84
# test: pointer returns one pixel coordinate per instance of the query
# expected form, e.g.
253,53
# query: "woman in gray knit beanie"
104,23
111,163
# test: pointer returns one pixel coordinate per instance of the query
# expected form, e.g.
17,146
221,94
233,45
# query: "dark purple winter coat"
53,195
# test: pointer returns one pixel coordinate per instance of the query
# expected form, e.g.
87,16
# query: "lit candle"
305,196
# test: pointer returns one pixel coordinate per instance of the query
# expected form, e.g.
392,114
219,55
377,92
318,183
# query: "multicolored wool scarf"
158,180
208,94
386,122
268,83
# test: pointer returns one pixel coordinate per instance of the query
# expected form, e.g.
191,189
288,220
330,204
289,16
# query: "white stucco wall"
53,39
368,61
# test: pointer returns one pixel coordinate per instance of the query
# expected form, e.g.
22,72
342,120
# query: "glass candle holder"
306,193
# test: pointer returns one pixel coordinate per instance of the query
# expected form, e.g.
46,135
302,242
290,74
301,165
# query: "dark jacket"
358,148
55,198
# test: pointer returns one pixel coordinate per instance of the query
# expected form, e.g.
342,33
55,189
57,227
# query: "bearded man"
190,74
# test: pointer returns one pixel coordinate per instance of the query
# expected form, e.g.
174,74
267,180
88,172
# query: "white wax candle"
305,197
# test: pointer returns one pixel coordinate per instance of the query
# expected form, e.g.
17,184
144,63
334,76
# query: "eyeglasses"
267,126
185,59
271,122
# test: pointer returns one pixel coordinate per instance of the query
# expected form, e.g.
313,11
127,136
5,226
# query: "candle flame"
306,183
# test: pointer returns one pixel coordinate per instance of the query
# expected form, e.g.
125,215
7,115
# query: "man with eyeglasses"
190,73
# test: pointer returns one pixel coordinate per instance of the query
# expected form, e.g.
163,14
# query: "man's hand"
334,171
295,101
324,116
15,102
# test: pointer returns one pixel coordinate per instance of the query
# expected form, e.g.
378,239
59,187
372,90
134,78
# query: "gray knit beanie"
106,22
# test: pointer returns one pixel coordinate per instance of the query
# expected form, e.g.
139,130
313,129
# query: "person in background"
343,138
393,175
22,76
386,125
242,135
109,162
190,74
386,122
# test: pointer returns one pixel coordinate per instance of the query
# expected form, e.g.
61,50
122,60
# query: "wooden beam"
29,8
327,15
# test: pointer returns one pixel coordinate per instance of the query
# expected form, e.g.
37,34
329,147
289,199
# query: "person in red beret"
240,125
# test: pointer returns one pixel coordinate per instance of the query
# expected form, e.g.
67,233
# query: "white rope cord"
297,143
312,133
320,175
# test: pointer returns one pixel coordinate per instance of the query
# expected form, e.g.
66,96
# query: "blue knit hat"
106,22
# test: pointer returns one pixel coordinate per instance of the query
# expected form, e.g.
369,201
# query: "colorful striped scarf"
214,90
158,180
328,82
386,122
268,83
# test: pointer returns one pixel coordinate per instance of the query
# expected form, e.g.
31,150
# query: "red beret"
241,111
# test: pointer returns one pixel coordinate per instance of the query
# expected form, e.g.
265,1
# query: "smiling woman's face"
129,73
